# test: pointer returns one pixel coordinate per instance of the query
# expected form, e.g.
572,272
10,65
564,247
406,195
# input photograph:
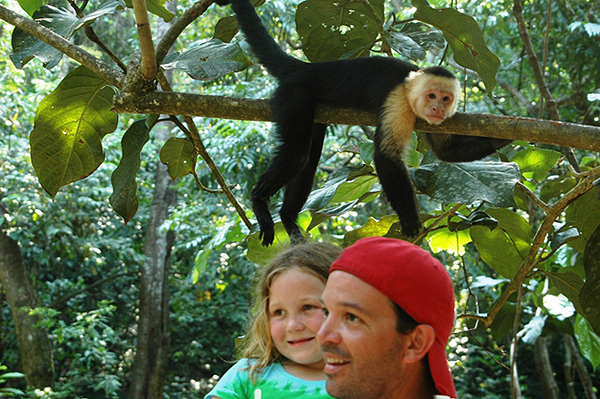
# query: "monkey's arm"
398,188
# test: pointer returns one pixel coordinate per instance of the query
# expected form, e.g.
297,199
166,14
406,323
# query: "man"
389,310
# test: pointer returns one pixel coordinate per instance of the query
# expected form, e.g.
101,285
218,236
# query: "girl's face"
295,316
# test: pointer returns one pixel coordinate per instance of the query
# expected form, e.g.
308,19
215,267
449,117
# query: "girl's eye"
309,307
277,312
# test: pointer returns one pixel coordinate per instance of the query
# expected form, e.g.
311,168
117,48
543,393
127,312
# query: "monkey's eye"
432,96
446,98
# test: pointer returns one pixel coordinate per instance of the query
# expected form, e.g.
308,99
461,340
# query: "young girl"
281,356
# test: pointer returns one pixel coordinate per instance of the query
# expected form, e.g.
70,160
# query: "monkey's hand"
410,228
265,221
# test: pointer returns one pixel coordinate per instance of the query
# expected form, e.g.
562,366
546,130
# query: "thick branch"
513,128
110,74
149,67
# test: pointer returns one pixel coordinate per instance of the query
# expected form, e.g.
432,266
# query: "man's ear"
419,341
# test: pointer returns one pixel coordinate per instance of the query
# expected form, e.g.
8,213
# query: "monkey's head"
433,94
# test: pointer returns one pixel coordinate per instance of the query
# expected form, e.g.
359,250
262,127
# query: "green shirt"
273,383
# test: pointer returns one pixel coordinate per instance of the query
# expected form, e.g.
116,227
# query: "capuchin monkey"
399,91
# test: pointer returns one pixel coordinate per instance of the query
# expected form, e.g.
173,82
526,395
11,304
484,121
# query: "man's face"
362,349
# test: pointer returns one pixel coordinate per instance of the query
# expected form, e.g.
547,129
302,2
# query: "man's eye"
352,318
325,312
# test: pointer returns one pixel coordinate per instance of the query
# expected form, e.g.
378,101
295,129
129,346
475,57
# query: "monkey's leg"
293,110
398,188
457,148
298,189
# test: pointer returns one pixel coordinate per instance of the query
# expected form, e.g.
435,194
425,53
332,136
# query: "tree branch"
552,213
149,67
513,128
110,74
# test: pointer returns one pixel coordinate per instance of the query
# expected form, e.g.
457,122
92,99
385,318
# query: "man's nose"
328,332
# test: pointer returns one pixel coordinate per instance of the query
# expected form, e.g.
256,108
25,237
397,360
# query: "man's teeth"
334,360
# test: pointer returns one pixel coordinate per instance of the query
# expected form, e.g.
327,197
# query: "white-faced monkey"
397,90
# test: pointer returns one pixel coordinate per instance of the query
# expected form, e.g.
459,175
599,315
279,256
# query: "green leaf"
354,188
563,237
177,154
226,29
414,39
588,340
371,228
468,182
261,255
505,247
66,141
569,284
61,21
536,163
589,295
584,214
341,29
452,241
156,7
124,198
208,60
555,188
465,38
31,6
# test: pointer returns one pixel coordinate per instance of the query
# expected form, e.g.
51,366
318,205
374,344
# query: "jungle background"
126,270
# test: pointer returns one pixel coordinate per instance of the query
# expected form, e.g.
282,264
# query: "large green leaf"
414,40
468,182
340,29
208,60
584,213
66,141
61,21
124,198
31,6
464,37
372,228
505,247
177,154
588,340
535,162
569,284
589,296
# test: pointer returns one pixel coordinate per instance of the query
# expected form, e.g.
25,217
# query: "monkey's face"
435,105
431,97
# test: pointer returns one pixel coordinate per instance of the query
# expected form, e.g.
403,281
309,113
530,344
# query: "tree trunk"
150,365
582,371
34,344
544,369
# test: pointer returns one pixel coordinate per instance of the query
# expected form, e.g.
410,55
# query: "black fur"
363,83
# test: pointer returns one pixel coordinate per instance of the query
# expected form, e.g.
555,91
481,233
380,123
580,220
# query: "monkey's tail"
277,62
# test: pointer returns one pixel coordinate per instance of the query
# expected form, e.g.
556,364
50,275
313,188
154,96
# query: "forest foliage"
519,231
